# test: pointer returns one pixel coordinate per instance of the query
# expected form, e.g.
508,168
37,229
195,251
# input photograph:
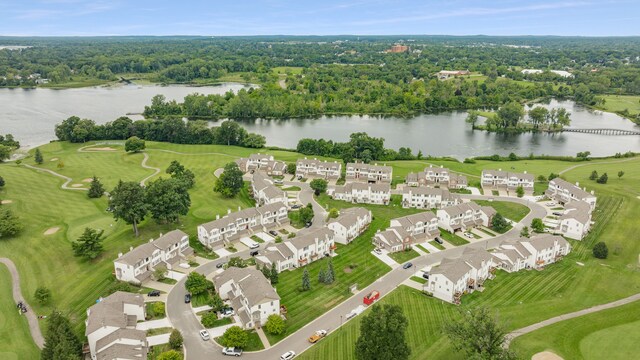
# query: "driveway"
153,324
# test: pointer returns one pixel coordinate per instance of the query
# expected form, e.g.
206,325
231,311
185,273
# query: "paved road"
67,179
183,319
34,327
306,196
144,165
525,330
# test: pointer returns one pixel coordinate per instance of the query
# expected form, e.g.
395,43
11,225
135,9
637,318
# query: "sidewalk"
263,338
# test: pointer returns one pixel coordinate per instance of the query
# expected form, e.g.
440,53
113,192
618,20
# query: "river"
30,115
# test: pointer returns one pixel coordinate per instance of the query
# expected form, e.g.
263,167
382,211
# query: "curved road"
34,327
183,319
144,165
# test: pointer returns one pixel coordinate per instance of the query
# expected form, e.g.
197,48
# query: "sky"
319,17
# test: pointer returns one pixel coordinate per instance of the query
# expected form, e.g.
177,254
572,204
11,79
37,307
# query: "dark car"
308,224
219,265
273,232
407,265
439,241
425,276
254,253
154,293
187,298
296,206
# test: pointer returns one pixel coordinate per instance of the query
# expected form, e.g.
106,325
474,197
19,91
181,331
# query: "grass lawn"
151,313
201,299
222,322
254,343
156,350
453,239
419,279
257,239
159,331
403,256
291,188
423,248
436,245
487,231
510,210
168,281
615,103
294,217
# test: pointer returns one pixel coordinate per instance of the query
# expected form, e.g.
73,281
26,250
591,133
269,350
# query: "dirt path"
34,327
593,163
144,165
525,330
67,179
181,153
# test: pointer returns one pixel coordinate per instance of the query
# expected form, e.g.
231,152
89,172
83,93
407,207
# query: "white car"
227,312
204,334
288,355
254,246
377,251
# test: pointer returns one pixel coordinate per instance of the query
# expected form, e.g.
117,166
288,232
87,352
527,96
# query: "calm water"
32,114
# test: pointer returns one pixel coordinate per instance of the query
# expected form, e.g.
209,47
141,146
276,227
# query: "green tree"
306,214
216,303
524,232
600,250
331,274
234,337
10,224
127,202
178,172
209,319
291,168
167,200
5,152
520,191
230,133
175,339
513,157
538,116
594,175
60,340
306,283
237,262
134,144
2,183
499,223
60,165
620,174
583,155
603,179
171,355
274,325
273,274
255,141
537,225
383,334
478,335
42,295
322,276
542,178
318,186
553,176
509,115
333,213
95,188
159,309
230,182
196,283
38,157
472,118
89,244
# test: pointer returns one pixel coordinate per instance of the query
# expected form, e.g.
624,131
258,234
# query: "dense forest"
336,75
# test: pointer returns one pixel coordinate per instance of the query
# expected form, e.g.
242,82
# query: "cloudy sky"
319,17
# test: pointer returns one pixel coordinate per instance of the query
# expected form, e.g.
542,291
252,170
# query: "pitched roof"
131,334
452,269
309,238
123,351
456,210
545,241
410,220
578,210
475,257
573,189
110,311
255,287
170,238
349,217
369,167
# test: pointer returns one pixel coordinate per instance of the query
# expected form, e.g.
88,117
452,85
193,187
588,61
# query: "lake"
30,115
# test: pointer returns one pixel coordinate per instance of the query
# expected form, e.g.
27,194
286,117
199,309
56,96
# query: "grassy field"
453,239
293,70
616,103
510,210
402,257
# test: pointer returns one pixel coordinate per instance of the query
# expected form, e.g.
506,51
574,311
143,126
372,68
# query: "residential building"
455,277
508,181
405,231
139,263
349,224
575,223
265,192
262,162
398,48
362,193
464,216
315,168
250,294
446,74
111,327
564,192
437,177
369,173
300,250
233,226
428,198
530,253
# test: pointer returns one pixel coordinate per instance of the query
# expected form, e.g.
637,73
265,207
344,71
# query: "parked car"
371,297
425,276
308,225
377,251
278,182
187,298
351,315
296,206
469,235
227,312
288,355
439,241
232,351
299,177
556,213
254,245
254,253
154,293
220,265
273,232
204,334
407,265
317,336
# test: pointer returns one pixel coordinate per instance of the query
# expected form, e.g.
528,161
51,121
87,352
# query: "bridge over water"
603,131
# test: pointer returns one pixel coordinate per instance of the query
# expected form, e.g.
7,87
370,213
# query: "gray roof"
452,269
411,220
138,253
110,311
456,210
578,210
349,217
573,189
123,351
242,214
302,241
259,156
255,287
333,165
131,334
443,193
475,257
170,238
506,174
437,170
545,241
370,167
394,235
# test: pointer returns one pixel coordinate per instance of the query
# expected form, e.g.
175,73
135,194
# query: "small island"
513,118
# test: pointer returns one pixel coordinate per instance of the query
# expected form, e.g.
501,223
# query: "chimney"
441,166
228,211
592,192
120,254
130,248
239,208
525,171
150,240
217,216
499,169
577,184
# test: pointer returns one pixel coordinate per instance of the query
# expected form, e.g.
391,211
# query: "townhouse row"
362,193
434,176
314,168
465,216
428,198
576,219
262,162
265,192
507,181
299,251
406,231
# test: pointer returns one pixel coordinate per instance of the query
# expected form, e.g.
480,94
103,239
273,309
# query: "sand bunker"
87,180
52,230
100,149
76,185
54,159
546,355
7,201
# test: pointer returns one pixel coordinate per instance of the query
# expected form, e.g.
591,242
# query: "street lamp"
340,322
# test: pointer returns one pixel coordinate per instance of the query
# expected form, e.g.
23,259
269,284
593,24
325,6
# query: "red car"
371,297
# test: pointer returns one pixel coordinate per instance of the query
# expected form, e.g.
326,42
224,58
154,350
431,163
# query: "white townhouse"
369,173
315,168
510,181
362,193
575,223
111,327
139,263
280,255
405,231
530,253
434,176
564,192
265,192
464,216
350,224
300,250
428,198
262,162
250,293
455,277
222,231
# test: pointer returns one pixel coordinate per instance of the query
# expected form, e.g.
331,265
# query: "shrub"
600,250
43,295
158,308
275,325
234,337
175,339
209,319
